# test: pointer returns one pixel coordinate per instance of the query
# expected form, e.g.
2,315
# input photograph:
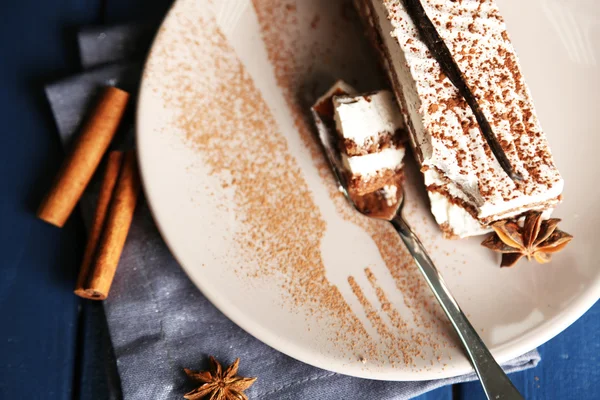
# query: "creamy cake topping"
368,121
456,160
370,164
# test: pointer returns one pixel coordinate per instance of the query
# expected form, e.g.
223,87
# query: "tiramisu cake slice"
369,127
467,186
369,130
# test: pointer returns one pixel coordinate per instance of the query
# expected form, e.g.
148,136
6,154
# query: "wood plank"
99,378
569,366
121,11
443,393
38,308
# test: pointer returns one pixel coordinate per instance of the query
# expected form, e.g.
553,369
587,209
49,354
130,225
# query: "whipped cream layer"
467,187
368,118
371,164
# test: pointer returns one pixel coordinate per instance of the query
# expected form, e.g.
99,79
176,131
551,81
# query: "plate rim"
532,339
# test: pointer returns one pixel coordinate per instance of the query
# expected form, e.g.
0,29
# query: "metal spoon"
493,379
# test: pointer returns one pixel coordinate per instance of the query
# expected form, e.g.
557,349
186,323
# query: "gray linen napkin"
158,320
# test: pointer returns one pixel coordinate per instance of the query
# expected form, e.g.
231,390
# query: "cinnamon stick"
84,157
114,232
113,167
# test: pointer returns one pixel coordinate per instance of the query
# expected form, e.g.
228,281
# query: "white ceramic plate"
244,199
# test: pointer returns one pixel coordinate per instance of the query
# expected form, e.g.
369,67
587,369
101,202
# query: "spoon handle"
493,379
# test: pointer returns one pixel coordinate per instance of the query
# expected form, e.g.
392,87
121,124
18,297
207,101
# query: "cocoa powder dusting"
374,317
223,117
297,63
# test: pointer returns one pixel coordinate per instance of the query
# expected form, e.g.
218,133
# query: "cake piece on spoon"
369,130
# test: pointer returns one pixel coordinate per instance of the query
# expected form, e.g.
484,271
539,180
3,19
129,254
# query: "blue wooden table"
51,343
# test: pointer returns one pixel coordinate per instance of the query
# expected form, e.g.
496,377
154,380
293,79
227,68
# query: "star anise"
535,239
218,384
